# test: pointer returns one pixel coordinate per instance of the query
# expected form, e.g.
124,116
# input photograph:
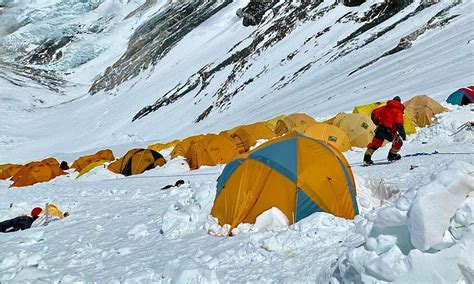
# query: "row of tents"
343,131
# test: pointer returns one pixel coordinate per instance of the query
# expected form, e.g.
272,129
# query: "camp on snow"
294,173
422,109
137,161
84,161
463,96
293,122
35,172
330,134
358,127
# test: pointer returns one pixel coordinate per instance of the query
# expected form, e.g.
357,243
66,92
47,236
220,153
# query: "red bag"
375,116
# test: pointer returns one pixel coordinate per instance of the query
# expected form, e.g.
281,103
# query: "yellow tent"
90,167
422,109
53,210
367,109
273,122
295,121
160,146
358,127
137,161
82,162
246,136
9,170
210,151
35,172
294,173
330,134
182,147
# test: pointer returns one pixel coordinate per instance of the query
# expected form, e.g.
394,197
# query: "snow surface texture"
127,229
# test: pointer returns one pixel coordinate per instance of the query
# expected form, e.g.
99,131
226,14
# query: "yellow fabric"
5,166
53,210
336,121
330,134
246,136
367,109
295,121
35,172
82,162
91,167
358,127
140,160
328,187
210,151
250,191
54,166
272,122
144,159
182,147
160,146
9,170
422,109
255,186
117,166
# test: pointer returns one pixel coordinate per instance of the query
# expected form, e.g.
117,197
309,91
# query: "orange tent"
329,134
137,161
9,170
35,172
273,121
160,146
210,151
358,127
182,147
422,109
246,136
295,121
84,161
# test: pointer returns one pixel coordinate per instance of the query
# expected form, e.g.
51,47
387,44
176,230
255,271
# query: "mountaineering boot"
393,156
368,160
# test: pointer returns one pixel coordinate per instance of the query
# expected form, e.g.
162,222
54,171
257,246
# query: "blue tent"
462,96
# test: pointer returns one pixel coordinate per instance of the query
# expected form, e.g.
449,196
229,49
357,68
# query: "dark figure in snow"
64,166
389,121
20,222
177,184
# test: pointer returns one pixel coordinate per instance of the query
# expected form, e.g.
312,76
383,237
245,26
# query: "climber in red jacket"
389,121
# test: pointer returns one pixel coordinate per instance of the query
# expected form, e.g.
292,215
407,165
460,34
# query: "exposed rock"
352,3
252,14
155,39
49,51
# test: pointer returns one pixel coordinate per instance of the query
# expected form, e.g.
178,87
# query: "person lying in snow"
39,217
389,121
20,222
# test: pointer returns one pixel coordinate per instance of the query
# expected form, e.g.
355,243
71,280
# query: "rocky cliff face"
280,21
155,38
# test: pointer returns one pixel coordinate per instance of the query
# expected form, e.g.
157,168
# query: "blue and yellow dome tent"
297,174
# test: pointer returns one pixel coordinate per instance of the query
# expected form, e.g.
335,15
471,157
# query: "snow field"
128,229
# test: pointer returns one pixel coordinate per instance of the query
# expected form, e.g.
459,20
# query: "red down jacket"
389,115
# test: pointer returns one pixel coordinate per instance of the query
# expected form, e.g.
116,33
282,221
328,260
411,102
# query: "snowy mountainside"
142,71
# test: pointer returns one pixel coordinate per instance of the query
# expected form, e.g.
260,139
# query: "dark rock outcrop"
155,38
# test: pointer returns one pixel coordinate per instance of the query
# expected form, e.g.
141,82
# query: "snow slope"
299,59
127,229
